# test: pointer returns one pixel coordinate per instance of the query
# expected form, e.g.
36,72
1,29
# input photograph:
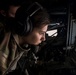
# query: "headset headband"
34,8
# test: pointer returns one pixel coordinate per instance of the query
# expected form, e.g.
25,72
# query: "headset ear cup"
24,28
28,27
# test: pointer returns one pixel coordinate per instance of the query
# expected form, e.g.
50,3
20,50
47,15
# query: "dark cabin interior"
57,55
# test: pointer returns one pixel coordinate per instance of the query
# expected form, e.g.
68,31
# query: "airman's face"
36,36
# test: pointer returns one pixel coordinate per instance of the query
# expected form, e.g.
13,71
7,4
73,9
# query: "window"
52,32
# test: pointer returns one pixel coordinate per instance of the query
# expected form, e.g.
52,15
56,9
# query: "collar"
24,47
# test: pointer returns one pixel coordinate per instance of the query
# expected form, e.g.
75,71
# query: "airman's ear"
3,12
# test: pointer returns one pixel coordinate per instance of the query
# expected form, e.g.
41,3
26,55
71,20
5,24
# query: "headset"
23,24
